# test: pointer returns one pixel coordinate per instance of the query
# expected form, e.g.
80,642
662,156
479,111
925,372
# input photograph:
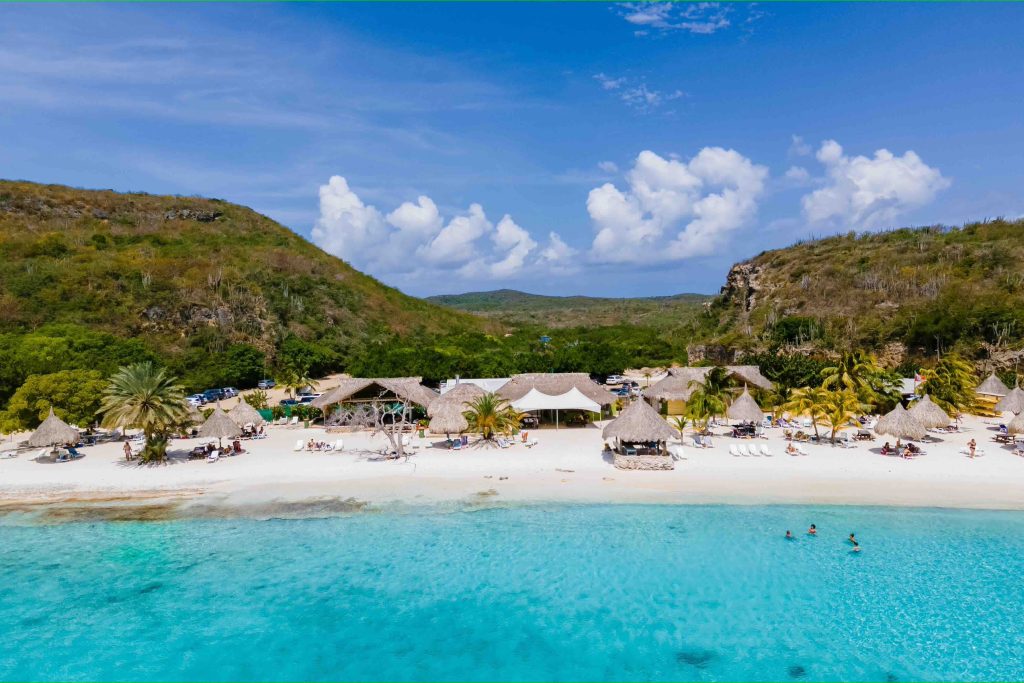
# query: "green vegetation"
951,384
490,415
709,397
74,395
141,396
923,290
515,308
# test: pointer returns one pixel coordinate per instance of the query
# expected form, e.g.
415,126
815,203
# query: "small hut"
244,414
641,436
988,394
446,411
1013,402
220,426
745,409
1016,425
53,432
928,413
901,424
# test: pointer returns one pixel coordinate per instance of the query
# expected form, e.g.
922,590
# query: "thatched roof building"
682,382
745,409
1016,425
446,411
219,426
244,414
637,423
359,389
901,424
555,384
992,386
53,432
928,413
1013,402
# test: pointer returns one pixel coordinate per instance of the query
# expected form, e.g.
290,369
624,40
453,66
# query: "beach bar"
640,438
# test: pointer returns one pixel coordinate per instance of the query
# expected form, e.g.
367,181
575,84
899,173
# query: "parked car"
288,402
228,392
195,400
307,398
614,379
621,392
266,384
212,395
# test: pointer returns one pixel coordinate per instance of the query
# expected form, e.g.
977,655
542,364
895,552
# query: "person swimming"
789,534
853,539
812,531
856,547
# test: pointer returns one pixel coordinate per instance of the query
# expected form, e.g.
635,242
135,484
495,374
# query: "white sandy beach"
566,465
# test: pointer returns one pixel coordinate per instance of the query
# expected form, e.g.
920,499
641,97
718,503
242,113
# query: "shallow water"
532,593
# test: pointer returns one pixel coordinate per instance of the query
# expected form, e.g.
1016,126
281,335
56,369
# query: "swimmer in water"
856,547
853,539
789,534
812,531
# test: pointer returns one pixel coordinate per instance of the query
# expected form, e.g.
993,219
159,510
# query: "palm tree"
295,379
143,397
490,414
679,423
709,397
951,384
778,397
839,408
810,401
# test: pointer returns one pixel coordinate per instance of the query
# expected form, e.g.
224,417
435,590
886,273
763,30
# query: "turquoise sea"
532,593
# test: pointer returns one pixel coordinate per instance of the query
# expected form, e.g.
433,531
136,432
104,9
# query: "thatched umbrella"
53,432
219,425
195,416
901,424
244,414
638,422
1013,402
992,386
446,411
1016,425
745,409
928,413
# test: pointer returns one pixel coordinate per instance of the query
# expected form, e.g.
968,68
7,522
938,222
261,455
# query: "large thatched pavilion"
552,395
367,390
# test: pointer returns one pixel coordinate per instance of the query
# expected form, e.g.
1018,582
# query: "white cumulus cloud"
870,192
672,209
415,240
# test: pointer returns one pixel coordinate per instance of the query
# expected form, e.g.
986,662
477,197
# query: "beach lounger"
457,445
531,443
339,444
213,457
734,451
299,445
765,450
503,442
800,450
744,451
6,455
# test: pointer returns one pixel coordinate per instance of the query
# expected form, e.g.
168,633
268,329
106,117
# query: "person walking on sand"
972,446
127,451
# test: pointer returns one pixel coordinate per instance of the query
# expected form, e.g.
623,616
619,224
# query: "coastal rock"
714,353
742,285
192,215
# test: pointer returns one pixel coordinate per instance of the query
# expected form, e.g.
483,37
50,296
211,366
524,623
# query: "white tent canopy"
570,400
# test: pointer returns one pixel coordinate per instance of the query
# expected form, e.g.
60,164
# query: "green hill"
216,290
904,293
513,307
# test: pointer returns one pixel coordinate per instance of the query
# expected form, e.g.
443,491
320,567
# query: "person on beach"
813,531
972,446
886,449
127,451
791,449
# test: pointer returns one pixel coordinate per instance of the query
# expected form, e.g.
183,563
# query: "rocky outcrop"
713,353
742,285
192,215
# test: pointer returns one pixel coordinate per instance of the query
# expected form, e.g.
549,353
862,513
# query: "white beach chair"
734,451
339,444
294,421
299,445
213,457
746,451
800,450
531,443
8,454
765,450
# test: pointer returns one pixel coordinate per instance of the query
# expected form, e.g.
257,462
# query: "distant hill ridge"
516,307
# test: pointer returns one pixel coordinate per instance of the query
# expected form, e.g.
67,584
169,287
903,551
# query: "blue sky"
605,149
